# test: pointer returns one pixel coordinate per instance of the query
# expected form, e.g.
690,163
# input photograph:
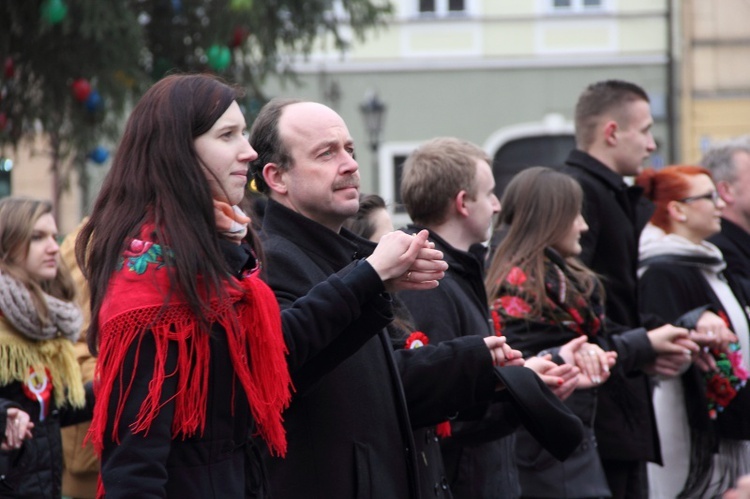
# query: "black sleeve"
533,337
440,380
634,350
137,466
71,416
670,291
325,325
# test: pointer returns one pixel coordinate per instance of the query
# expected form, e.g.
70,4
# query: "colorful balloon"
99,155
239,35
241,4
54,11
219,57
94,102
81,89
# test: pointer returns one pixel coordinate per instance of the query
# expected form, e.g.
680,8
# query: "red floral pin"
416,339
419,339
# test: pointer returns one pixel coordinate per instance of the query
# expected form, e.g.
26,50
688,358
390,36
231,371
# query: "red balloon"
239,34
81,89
9,68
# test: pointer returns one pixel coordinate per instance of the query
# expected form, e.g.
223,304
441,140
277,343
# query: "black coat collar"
585,161
338,249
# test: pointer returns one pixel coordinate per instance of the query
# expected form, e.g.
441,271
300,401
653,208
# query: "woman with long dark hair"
548,303
191,357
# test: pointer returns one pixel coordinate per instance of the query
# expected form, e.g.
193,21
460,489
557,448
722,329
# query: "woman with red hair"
700,413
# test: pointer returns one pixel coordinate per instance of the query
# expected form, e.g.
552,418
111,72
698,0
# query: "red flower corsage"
419,339
416,339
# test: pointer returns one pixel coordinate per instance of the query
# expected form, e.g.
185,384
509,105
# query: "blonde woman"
40,381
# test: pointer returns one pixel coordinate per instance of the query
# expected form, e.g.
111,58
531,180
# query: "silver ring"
408,276
592,352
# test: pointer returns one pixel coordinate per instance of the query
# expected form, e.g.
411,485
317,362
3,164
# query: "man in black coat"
729,164
349,423
613,139
448,188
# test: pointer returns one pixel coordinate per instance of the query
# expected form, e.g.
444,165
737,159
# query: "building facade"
489,72
713,55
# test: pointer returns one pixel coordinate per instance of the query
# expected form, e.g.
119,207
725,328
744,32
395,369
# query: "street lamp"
373,111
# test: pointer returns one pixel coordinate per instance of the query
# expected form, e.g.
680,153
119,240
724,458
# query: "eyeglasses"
712,196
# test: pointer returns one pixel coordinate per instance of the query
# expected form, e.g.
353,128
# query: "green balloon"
219,57
54,11
241,4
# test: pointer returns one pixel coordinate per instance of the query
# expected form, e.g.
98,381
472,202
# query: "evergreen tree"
71,67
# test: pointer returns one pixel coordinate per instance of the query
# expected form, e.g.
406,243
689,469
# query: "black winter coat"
616,214
222,462
35,470
672,288
734,244
349,423
478,455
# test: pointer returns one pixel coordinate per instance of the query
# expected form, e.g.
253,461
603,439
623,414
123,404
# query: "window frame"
576,7
441,9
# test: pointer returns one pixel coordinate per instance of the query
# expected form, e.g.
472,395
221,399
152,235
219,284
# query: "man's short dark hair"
265,139
598,99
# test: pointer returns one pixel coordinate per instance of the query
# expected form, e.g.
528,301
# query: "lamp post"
373,111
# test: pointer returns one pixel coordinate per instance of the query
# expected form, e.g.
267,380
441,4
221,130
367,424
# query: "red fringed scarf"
135,303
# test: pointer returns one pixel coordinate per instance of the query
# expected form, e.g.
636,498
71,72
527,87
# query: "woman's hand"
562,380
704,361
18,428
742,491
674,348
670,339
502,354
593,362
711,331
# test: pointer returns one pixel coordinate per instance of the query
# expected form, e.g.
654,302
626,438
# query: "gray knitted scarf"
65,318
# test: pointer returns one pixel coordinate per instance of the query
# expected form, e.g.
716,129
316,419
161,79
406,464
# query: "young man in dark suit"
613,140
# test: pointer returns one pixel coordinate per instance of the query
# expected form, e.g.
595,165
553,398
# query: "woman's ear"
274,177
676,211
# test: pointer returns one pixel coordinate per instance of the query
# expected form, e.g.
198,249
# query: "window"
456,5
398,170
426,6
576,5
442,7
521,153
391,158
